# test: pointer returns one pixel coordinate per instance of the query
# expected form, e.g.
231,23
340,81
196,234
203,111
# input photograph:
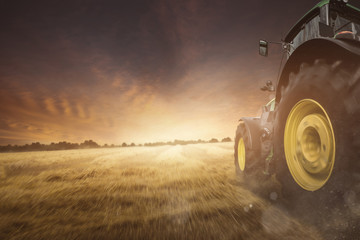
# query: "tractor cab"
328,19
332,19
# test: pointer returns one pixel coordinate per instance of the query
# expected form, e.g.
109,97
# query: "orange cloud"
135,112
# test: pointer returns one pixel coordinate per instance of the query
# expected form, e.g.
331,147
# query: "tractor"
308,136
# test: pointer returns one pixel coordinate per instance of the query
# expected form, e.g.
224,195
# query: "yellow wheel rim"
309,144
241,154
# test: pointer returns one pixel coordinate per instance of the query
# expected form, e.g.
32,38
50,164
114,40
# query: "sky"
136,71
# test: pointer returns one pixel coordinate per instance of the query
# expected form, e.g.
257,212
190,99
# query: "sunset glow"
114,74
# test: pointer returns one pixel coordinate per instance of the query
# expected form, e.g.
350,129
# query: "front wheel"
246,160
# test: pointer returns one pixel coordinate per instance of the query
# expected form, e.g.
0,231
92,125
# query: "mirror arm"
280,43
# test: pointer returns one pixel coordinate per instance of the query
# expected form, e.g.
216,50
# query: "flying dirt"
166,192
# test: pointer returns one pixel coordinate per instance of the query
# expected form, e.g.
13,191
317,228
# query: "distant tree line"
36,146
185,142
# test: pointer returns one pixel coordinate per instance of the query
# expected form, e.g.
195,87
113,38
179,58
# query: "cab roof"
310,15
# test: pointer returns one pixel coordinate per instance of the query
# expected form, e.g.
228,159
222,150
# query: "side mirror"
325,30
264,109
263,48
268,87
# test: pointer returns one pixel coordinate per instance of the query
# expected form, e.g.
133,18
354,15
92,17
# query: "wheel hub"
313,135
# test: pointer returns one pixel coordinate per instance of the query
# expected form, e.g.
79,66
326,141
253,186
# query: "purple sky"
135,71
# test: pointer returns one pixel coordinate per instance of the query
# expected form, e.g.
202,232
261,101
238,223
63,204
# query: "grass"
166,192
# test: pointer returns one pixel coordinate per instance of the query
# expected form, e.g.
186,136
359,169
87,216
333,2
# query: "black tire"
251,157
327,84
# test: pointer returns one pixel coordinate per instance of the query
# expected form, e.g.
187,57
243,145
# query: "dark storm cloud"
60,41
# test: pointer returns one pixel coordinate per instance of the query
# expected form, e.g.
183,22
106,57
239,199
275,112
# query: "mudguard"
252,125
320,48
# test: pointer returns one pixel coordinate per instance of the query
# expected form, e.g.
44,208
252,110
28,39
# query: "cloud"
119,72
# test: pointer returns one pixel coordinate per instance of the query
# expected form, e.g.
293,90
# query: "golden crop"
167,192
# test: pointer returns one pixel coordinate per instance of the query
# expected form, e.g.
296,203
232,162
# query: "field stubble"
167,192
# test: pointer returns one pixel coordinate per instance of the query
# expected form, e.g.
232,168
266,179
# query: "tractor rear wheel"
313,136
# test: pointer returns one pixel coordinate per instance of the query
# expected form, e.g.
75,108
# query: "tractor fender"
329,49
252,125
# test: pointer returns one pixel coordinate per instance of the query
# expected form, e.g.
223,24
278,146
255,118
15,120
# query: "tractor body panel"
260,128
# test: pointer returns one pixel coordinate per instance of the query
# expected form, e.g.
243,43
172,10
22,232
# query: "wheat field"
166,192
